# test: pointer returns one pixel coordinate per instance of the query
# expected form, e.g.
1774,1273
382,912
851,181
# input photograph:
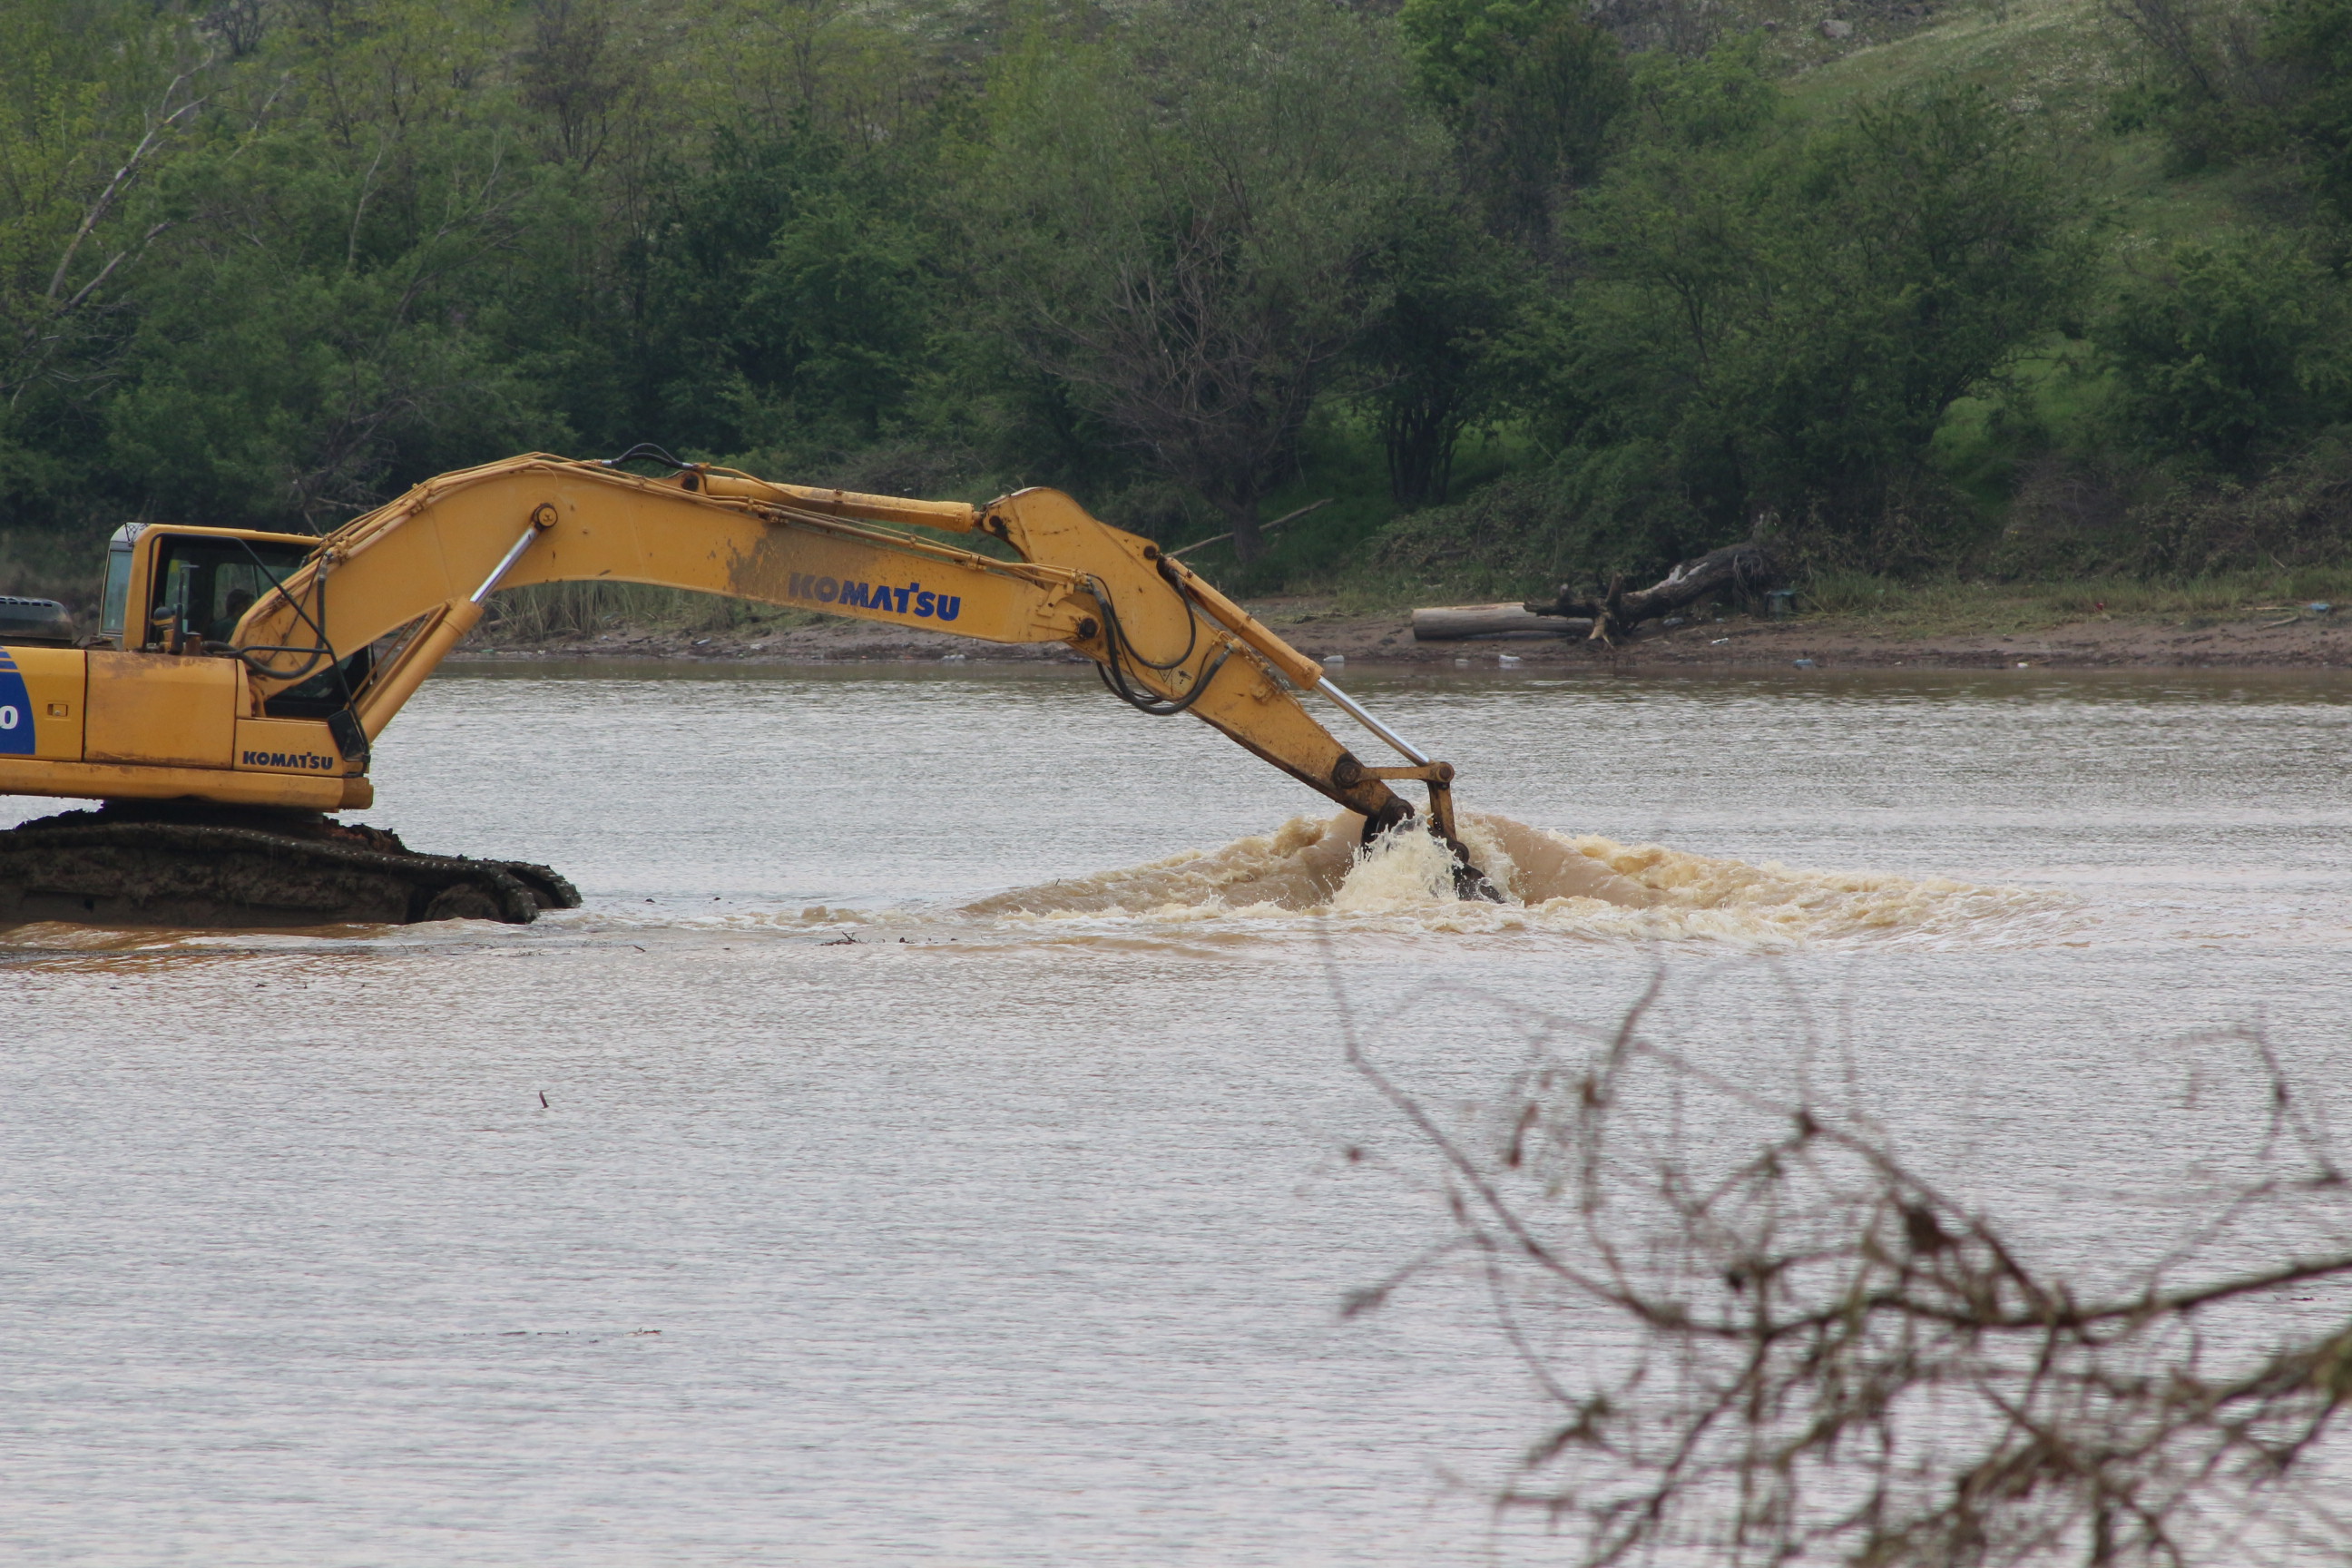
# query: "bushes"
1589,515
1779,318
2231,351
2078,517
2299,515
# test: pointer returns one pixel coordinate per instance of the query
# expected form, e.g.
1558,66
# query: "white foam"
1585,886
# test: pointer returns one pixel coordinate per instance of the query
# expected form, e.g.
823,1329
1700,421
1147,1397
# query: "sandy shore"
2265,640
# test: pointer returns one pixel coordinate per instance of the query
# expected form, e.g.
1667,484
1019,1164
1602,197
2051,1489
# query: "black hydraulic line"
649,451
1156,707
1113,669
1110,614
322,648
351,737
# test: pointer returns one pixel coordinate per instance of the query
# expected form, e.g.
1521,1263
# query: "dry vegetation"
1764,1338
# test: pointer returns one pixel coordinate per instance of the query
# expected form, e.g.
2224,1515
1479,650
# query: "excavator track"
135,865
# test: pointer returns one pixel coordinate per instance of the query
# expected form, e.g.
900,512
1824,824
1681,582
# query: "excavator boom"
257,671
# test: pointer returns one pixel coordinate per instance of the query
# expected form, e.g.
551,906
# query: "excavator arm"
410,579
241,678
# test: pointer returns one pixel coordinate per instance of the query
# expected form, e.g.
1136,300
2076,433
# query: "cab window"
117,598
203,587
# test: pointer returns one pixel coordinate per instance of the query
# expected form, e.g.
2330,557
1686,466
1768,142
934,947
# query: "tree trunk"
1418,439
1249,543
1458,623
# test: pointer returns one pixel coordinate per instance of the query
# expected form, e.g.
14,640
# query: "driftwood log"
1456,623
1745,569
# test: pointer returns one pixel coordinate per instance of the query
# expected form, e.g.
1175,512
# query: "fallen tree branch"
1265,528
1745,569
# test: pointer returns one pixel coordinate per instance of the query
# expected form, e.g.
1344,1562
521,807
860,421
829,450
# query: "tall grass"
566,612
1950,604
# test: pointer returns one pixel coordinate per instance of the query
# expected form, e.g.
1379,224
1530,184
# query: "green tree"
865,72
2231,351
586,75
792,299
94,104
1435,356
323,329
1178,223
1529,89
1786,316
329,314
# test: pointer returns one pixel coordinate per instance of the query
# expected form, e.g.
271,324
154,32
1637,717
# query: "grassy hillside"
2062,63
2060,66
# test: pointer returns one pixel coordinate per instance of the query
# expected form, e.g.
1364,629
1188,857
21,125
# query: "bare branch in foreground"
1778,1344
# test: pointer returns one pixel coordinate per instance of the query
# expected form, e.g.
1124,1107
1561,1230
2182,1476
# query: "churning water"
939,1157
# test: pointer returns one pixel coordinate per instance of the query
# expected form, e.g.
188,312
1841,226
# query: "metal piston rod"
543,518
1356,712
1438,776
399,680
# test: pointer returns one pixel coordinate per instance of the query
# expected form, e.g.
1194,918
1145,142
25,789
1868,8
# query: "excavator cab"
197,583
192,584
202,587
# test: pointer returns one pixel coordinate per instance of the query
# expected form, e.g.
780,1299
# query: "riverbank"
2260,638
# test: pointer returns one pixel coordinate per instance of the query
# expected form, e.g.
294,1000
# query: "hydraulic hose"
649,452
1119,649
322,648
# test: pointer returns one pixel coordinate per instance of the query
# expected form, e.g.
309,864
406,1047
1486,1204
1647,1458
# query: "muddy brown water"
1014,1229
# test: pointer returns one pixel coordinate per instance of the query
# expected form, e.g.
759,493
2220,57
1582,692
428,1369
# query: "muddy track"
87,868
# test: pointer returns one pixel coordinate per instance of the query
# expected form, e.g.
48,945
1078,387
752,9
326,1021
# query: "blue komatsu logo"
914,599
310,761
16,711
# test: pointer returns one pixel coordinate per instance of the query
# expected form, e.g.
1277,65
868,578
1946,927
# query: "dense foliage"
272,260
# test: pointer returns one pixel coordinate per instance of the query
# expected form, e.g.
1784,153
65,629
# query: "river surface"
907,1156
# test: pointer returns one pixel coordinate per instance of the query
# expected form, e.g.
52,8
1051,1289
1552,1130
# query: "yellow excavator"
240,679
